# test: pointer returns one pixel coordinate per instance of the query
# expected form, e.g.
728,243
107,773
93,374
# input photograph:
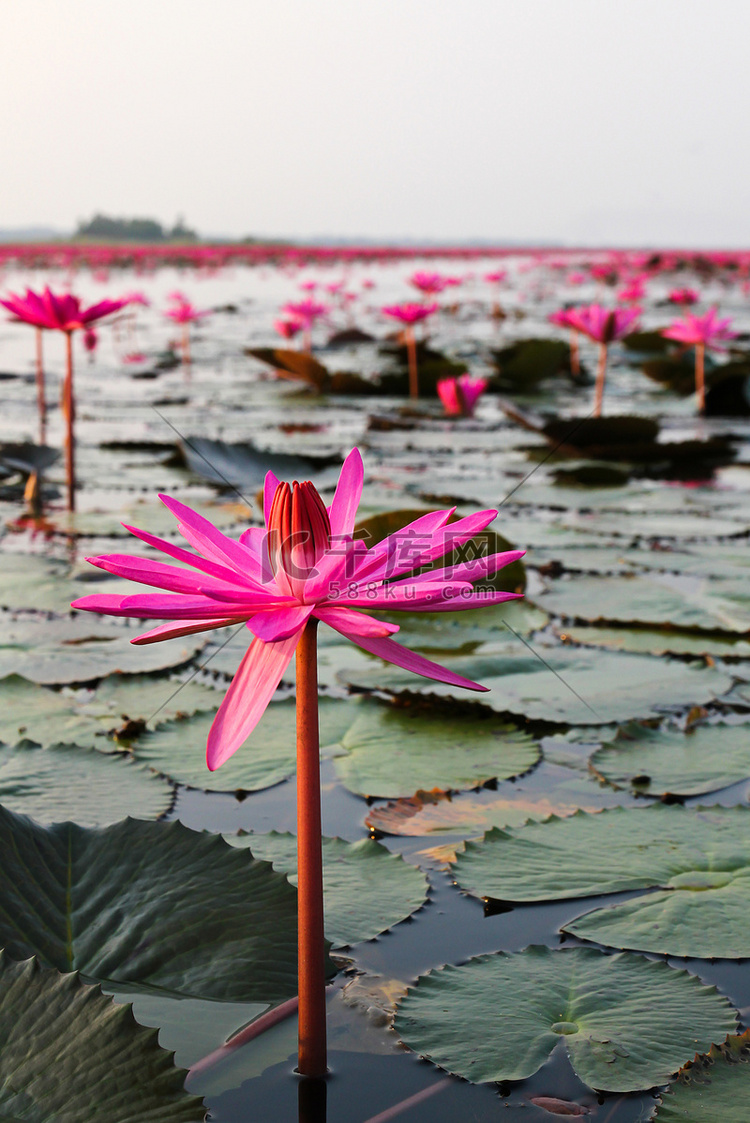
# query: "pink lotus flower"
183,311
602,325
57,313
137,297
701,332
497,277
633,291
409,314
304,563
683,296
429,283
288,328
308,311
45,311
707,330
460,395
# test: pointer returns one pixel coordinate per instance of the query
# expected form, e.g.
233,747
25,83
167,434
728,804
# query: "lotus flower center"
299,532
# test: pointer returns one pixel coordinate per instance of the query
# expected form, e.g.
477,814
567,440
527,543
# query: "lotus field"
374,685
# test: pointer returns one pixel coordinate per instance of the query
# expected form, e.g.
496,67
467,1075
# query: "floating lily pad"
703,759
627,1023
594,687
178,748
450,631
396,750
153,516
244,465
367,889
697,862
712,1088
76,649
70,1055
28,581
709,605
66,782
148,903
116,713
652,641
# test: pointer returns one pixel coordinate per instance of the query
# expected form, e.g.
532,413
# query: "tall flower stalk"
603,326
60,313
409,315
302,567
701,332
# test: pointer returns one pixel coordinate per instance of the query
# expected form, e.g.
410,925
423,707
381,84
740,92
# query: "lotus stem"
601,372
186,358
40,399
311,1100
311,941
575,358
411,351
700,377
69,412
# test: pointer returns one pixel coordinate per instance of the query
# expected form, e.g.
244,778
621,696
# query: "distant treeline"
102,228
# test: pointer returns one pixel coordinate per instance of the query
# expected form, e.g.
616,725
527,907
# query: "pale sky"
582,121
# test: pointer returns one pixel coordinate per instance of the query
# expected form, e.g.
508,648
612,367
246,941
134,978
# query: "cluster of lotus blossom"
605,325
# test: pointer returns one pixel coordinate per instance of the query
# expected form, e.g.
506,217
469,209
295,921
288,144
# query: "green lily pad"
178,748
655,762
627,1023
711,1088
78,649
697,862
149,903
594,687
66,782
653,641
152,516
649,600
367,889
50,584
450,631
70,1055
396,750
114,714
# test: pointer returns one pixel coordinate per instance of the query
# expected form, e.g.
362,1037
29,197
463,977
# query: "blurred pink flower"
460,395
604,325
409,313
429,283
707,329
288,328
57,313
683,296
183,312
